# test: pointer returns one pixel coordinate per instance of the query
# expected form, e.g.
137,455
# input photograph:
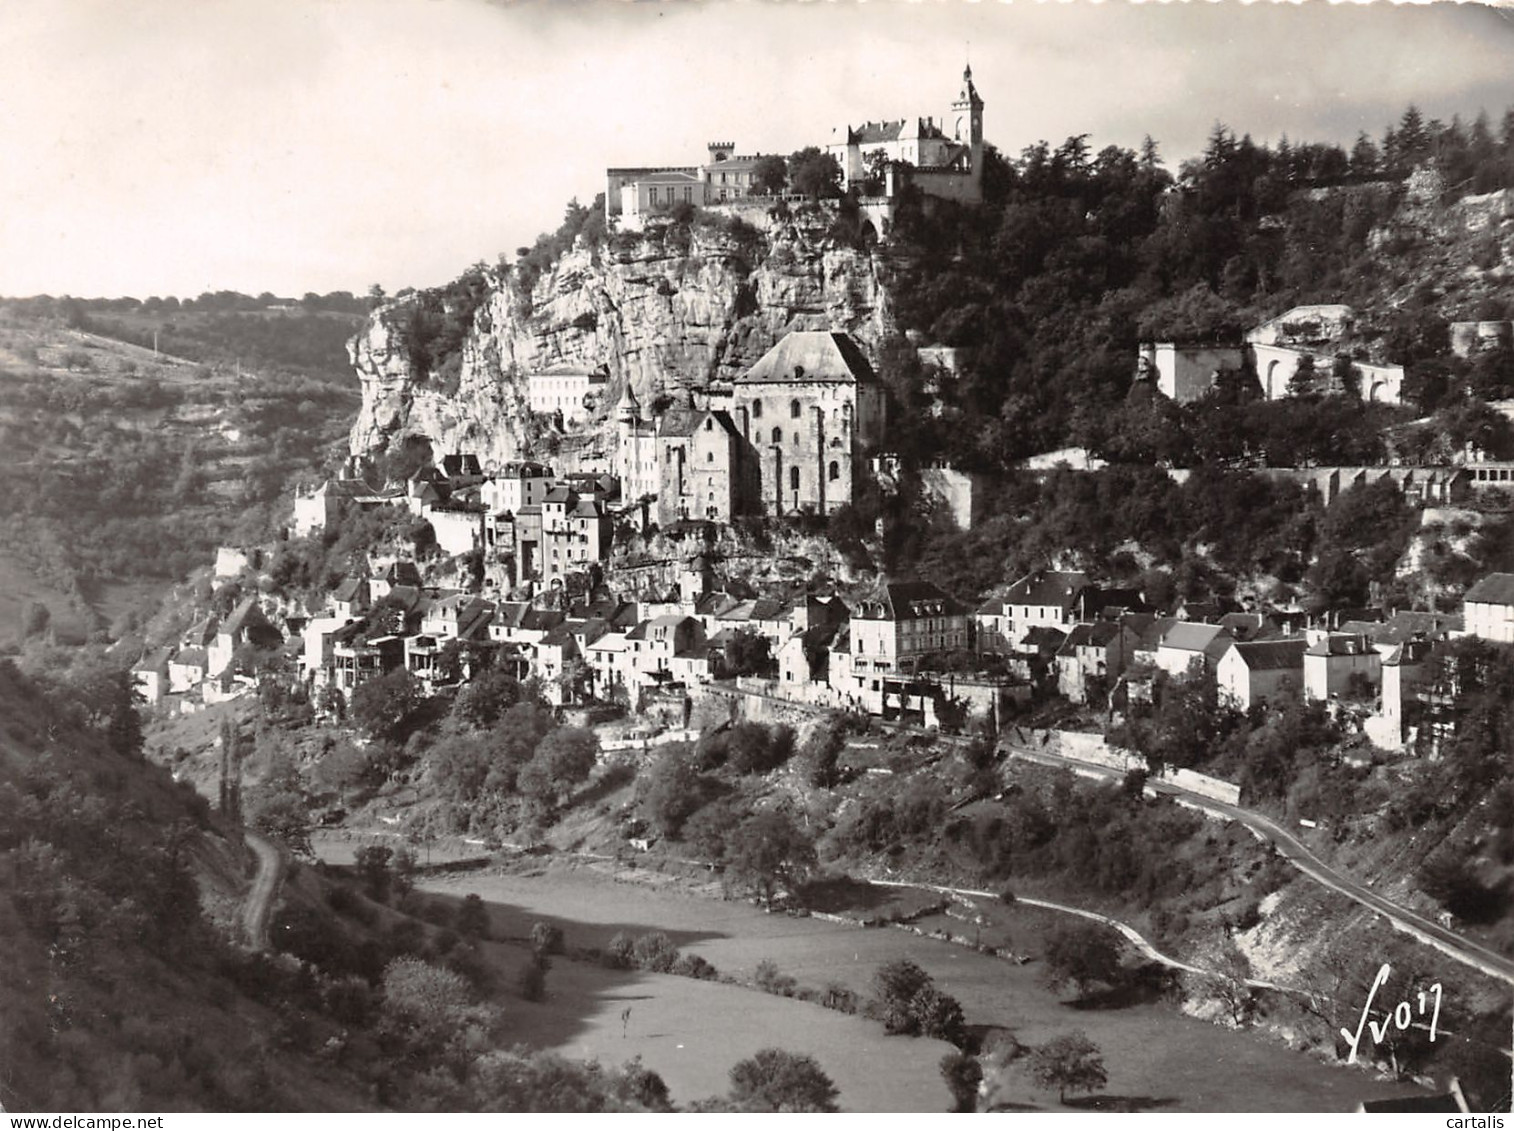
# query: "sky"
156,147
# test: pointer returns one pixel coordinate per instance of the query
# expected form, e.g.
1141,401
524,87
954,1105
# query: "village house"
1092,657
395,574
1337,663
521,483
1045,598
356,659
246,625
1403,672
457,526
888,638
1251,673
456,616
565,534
150,675
351,598
186,670
665,638
1488,609
568,395
318,660
318,509
1188,649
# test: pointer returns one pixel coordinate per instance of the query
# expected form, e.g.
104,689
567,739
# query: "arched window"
756,410
793,479
796,439
709,457
709,424
795,409
777,435
835,472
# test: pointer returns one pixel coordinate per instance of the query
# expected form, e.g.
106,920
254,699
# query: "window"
709,457
794,409
652,195
688,195
709,424
835,472
793,479
756,410
777,435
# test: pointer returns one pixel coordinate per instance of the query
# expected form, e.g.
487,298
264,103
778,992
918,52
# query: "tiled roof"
1047,588
1337,644
352,589
1495,589
910,600
1186,636
1273,655
811,355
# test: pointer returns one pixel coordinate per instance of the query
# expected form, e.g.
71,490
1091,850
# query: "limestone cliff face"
670,311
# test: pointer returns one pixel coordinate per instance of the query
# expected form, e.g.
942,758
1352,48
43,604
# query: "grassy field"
1156,1058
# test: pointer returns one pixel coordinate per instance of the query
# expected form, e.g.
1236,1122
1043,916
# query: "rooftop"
811,355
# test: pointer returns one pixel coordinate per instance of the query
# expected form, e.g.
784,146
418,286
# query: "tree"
767,850
770,175
381,706
35,617
747,653
962,1074
372,866
1070,1061
896,985
1082,953
912,1005
821,753
485,698
674,789
472,917
775,1080
814,173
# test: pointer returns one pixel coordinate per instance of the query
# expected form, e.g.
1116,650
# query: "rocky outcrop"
669,311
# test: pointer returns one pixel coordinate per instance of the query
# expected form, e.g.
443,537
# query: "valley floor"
692,1032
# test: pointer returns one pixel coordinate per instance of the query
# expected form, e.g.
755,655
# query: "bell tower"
967,122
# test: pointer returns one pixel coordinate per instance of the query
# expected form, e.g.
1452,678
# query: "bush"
531,982
546,938
472,917
655,952
693,966
771,980
620,954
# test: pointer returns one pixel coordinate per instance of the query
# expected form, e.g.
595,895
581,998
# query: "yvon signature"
1402,1017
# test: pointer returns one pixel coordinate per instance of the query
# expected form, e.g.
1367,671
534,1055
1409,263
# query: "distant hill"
129,466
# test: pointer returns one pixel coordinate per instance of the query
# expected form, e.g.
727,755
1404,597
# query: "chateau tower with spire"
943,158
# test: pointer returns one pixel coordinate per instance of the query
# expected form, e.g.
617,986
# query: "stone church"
809,410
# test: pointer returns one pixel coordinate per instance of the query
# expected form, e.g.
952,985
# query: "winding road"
1448,942
258,905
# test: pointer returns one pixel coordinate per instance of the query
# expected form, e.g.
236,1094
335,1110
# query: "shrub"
655,952
620,954
531,982
693,966
771,980
472,917
546,938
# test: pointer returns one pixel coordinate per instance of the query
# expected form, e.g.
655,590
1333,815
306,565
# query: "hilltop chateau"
943,159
